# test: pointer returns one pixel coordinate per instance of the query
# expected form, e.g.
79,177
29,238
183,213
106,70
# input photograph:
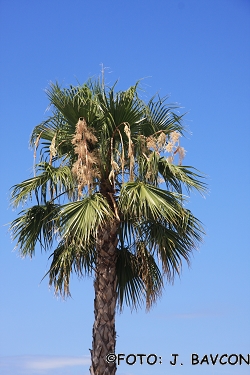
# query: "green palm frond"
36,224
173,242
151,168
120,108
130,287
47,129
138,277
74,102
54,130
49,183
149,273
82,219
69,257
128,107
162,117
144,201
177,175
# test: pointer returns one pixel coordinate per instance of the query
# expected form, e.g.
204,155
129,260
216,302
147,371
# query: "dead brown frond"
145,272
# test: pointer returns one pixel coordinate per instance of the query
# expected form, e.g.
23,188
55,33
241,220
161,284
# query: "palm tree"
103,158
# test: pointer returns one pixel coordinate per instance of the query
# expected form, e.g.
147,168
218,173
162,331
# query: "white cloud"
52,362
39,364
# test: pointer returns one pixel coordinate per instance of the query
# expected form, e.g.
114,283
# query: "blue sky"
196,51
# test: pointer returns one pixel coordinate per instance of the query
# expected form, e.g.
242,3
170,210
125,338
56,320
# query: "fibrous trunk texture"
104,335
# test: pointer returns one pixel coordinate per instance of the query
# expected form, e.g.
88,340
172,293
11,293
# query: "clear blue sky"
197,51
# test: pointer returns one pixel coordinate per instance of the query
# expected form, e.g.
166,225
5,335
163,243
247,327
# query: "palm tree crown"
103,158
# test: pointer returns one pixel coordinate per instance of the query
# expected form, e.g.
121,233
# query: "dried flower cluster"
86,167
52,148
130,152
170,144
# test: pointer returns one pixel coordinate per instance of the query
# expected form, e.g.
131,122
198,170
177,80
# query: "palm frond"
149,273
120,108
36,224
69,257
82,219
74,102
162,118
177,175
173,242
144,201
130,287
51,180
138,277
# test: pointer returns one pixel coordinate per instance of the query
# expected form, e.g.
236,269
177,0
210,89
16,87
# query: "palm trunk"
104,335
